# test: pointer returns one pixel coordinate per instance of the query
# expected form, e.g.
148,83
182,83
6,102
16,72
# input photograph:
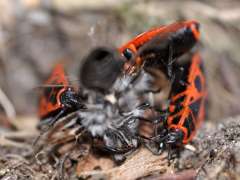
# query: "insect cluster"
151,92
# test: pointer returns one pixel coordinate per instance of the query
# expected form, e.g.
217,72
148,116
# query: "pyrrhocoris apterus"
157,48
58,96
163,43
187,103
178,124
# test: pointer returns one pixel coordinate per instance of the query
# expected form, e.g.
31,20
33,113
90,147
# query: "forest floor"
35,34
212,155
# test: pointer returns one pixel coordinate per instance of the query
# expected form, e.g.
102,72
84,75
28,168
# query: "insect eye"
128,53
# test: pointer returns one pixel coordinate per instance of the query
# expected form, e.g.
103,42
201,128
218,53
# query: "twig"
6,142
184,175
19,134
7,105
18,157
61,166
139,165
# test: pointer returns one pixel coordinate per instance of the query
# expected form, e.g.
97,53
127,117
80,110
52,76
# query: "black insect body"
111,131
113,128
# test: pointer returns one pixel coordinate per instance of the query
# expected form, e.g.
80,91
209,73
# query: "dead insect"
112,131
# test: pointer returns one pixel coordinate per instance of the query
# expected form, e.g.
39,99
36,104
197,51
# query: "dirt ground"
35,34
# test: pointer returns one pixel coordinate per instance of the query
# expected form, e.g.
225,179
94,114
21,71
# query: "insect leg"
52,122
49,124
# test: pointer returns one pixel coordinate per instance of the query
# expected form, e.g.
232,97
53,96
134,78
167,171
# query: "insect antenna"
50,86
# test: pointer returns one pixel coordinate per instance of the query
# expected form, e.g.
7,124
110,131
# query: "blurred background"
35,34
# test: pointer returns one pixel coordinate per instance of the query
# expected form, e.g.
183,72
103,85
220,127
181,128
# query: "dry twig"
141,164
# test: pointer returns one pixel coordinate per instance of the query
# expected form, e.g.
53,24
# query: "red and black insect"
158,49
178,124
187,101
160,45
58,97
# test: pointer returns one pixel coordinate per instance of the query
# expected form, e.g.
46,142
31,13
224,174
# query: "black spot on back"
195,107
51,94
189,124
198,84
176,120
